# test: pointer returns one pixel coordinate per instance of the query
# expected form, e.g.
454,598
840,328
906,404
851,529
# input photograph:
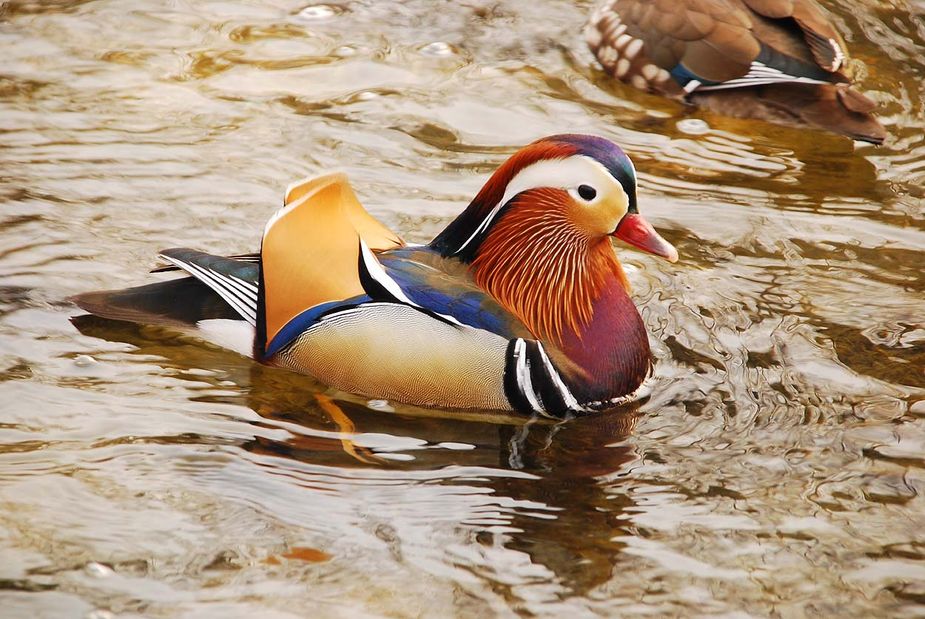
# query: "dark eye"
587,192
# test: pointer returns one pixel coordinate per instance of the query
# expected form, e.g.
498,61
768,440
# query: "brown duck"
776,60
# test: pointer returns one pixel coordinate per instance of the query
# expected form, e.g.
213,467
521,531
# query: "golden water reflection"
775,468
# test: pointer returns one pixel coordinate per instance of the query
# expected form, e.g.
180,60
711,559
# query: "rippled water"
776,470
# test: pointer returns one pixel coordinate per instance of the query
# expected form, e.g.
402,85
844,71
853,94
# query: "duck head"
537,236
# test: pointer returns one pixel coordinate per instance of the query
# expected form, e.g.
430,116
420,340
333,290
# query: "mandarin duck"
776,60
520,304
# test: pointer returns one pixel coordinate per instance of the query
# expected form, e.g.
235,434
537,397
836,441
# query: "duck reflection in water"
571,472
574,469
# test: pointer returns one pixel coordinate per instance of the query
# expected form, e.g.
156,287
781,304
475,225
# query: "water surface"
774,471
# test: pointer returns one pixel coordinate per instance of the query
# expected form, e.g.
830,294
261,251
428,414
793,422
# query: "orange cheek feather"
541,265
599,219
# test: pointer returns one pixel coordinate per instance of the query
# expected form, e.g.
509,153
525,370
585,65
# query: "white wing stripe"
376,271
247,308
248,290
245,296
839,54
759,74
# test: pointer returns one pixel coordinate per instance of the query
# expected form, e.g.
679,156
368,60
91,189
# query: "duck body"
465,351
519,305
776,60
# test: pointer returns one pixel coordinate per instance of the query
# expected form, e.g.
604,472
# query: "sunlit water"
777,469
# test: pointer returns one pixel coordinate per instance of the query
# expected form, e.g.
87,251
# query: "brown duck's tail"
834,107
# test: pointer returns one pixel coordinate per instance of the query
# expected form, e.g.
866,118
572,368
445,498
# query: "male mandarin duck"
776,60
520,304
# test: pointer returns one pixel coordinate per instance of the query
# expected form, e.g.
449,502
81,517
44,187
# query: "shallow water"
774,471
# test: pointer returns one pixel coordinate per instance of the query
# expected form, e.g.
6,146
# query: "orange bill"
639,233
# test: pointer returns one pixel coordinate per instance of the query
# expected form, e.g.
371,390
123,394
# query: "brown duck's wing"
777,60
825,43
713,39
716,43
311,249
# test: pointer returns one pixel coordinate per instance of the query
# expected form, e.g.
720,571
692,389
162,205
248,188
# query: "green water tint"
774,470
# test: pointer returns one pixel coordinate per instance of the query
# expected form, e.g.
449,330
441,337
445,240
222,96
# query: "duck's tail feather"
836,107
233,280
179,303
220,288
252,257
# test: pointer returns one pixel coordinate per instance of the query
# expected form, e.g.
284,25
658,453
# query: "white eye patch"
569,174
575,174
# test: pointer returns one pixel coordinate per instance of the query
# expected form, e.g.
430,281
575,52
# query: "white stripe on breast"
524,380
564,391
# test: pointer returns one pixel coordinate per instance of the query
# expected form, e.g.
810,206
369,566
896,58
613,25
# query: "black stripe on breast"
513,390
543,384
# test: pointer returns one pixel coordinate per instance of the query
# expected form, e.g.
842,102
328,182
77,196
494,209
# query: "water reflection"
775,469
547,490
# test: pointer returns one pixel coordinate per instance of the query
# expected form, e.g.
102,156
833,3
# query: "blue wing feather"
432,289
447,294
